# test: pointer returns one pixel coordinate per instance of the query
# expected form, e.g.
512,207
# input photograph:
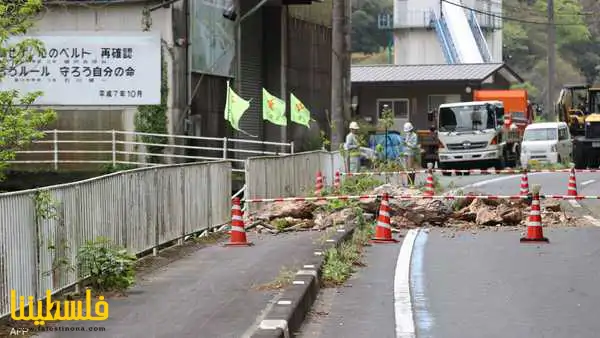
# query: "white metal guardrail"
138,209
126,148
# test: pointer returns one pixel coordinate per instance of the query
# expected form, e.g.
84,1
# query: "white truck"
473,135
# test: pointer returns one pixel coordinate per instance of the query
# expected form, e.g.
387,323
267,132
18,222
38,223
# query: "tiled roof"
444,72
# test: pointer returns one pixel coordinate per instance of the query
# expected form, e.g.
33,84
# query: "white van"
547,142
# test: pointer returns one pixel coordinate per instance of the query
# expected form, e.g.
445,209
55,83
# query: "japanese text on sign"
90,69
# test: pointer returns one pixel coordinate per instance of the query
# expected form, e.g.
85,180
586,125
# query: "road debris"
464,213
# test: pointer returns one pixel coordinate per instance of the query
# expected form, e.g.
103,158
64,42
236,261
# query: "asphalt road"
209,294
485,284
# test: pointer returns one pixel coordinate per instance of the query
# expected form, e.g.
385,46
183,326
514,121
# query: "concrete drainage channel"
288,313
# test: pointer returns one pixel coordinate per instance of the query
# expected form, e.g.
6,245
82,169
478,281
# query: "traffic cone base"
383,228
535,240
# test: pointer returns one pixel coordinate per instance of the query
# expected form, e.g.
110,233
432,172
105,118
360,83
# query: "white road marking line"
588,182
574,204
405,326
592,220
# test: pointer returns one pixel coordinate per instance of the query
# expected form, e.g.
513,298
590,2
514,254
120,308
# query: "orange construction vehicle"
517,107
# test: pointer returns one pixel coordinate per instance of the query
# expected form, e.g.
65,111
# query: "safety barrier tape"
315,198
469,171
566,197
415,197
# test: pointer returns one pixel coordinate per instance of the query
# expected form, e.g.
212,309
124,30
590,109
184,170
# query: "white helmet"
408,127
354,126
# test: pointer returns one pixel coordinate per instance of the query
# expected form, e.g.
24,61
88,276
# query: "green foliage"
357,185
110,268
153,119
366,36
340,262
19,124
578,47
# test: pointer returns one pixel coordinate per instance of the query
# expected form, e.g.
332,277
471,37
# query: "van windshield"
467,118
546,134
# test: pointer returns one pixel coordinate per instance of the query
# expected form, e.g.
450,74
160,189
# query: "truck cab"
471,134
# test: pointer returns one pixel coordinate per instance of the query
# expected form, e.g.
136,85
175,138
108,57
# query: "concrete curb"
287,315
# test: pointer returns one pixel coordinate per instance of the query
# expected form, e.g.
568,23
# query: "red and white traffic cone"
524,184
535,232
336,181
572,186
238,233
429,187
383,229
319,184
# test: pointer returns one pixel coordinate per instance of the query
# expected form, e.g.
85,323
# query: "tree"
19,123
366,36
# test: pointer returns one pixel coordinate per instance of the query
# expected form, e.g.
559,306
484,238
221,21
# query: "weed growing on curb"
341,262
283,279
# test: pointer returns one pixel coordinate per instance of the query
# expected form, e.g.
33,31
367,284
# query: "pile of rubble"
462,213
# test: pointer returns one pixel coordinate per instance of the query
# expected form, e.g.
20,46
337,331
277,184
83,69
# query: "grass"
341,262
283,279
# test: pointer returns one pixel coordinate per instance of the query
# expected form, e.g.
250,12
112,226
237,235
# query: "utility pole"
340,71
551,62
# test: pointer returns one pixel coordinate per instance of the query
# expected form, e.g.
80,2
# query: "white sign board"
112,69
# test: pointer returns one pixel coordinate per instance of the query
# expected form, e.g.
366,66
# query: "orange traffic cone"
383,229
524,184
572,186
238,233
319,184
336,181
429,188
535,232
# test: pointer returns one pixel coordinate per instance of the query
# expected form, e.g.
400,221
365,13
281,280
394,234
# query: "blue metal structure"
448,48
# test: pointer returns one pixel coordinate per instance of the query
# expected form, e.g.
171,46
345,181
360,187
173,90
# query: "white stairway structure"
461,33
464,31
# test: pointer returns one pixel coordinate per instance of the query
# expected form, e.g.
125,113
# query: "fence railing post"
114,147
55,149
291,147
224,148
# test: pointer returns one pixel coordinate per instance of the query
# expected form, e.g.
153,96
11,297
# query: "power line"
511,18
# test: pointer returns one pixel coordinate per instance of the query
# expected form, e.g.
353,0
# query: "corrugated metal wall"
309,72
252,74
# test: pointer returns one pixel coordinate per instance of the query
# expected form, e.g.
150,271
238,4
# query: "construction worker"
353,148
411,150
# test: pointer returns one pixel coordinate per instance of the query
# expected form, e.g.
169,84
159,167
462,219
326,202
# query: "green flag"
274,109
235,107
299,113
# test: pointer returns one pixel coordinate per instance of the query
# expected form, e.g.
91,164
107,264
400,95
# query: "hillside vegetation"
525,40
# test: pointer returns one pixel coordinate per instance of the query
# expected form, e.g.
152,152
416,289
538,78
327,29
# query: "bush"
110,268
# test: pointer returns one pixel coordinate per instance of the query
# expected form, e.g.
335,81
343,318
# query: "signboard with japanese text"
212,38
89,68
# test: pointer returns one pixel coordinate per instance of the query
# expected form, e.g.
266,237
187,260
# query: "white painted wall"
420,45
417,47
121,17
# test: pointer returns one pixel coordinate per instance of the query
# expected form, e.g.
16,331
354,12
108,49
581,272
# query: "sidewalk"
207,294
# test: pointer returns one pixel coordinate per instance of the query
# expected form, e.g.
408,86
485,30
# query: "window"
562,134
400,107
545,134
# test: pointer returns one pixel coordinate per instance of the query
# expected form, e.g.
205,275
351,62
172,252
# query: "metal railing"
450,53
479,37
138,209
116,147
292,175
